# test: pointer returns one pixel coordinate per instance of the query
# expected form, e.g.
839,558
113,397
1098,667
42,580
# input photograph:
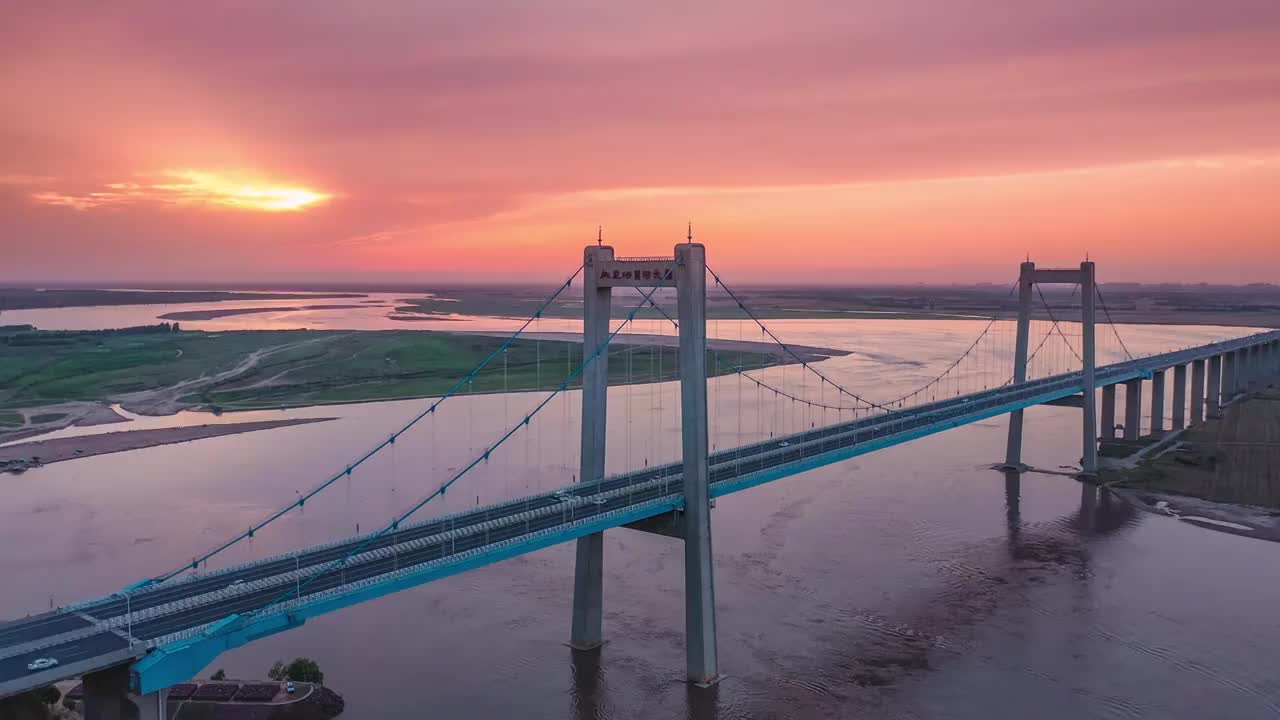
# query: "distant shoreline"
214,314
13,297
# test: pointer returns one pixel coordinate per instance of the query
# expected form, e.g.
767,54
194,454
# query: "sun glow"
212,188
191,187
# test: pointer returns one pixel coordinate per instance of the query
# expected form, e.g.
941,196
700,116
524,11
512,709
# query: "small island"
229,312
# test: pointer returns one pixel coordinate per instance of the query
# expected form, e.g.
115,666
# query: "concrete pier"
1179,397
1213,400
699,576
1132,409
1230,374
588,576
1157,402
106,695
1109,412
151,706
1197,392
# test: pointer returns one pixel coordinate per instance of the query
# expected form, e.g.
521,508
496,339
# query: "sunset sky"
842,141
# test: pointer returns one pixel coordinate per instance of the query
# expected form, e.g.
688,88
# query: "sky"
852,140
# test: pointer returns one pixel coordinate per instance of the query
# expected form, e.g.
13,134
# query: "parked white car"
289,688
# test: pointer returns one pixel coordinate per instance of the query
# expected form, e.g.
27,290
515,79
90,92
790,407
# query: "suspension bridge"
131,645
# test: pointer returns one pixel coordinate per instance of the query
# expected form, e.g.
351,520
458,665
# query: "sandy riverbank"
228,312
42,452
66,414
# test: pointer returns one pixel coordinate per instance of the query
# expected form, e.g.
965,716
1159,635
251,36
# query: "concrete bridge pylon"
1028,277
686,271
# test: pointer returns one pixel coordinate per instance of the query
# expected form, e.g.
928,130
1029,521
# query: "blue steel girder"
821,459
180,660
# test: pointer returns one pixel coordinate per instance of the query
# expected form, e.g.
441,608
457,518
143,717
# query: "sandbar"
227,312
21,456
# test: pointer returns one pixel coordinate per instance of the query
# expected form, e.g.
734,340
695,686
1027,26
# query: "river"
915,582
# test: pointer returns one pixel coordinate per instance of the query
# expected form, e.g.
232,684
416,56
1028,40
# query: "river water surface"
914,582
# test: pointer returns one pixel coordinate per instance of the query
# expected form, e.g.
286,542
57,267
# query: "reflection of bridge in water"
1062,541
166,629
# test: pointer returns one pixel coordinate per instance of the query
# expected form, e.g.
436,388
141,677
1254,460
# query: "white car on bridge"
43,663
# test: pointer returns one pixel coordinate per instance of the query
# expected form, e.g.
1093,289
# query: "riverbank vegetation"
45,375
383,365
300,669
1232,459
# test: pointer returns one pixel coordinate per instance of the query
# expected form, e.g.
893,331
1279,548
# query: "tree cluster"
26,335
299,670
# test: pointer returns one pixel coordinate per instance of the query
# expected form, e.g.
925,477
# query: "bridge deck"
177,611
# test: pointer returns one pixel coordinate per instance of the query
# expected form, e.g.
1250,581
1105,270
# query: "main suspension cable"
1098,290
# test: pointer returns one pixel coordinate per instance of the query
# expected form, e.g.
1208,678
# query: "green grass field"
307,367
99,367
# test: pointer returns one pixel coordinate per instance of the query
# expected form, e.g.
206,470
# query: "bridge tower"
686,271
1028,277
